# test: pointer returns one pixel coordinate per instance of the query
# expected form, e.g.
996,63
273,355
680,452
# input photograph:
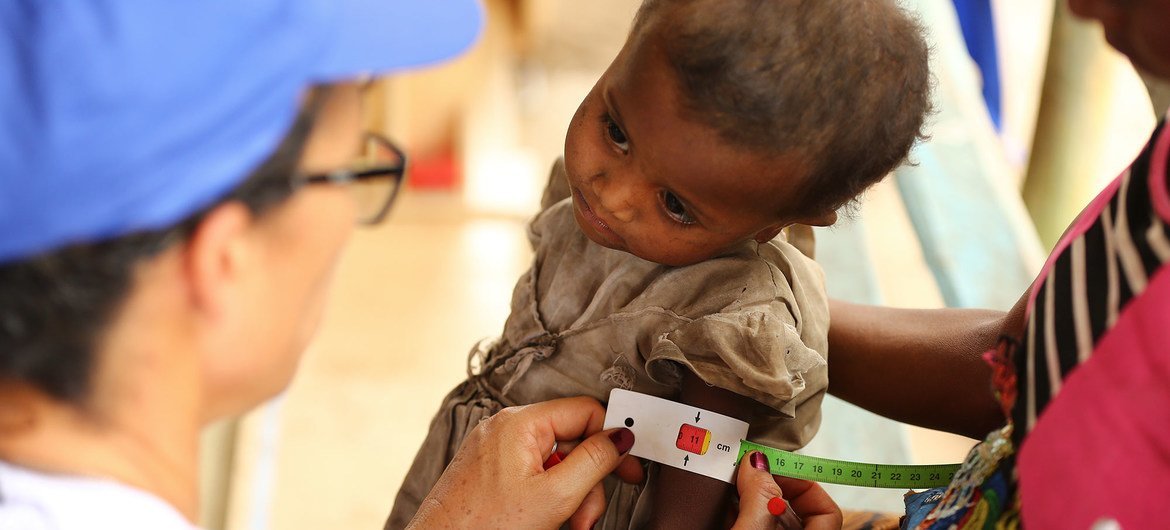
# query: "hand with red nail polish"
499,479
771,502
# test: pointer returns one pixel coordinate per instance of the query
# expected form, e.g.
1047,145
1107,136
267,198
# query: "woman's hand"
801,502
497,479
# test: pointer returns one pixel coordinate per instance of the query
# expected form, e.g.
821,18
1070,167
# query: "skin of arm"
682,499
919,366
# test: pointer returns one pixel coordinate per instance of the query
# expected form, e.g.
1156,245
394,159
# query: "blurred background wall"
414,294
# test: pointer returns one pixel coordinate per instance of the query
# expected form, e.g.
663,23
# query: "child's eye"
675,209
615,134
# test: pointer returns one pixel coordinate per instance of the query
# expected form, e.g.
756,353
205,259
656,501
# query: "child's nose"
616,197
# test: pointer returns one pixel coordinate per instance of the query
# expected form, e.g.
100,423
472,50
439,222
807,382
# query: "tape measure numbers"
704,442
794,465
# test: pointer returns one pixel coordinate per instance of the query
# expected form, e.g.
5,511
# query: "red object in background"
438,171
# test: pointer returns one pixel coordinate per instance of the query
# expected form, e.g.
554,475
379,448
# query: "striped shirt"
1103,262
1092,415
1088,382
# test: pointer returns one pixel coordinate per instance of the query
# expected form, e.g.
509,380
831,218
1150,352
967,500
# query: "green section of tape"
819,469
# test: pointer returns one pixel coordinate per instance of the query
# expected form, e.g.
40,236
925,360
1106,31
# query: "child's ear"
826,219
769,233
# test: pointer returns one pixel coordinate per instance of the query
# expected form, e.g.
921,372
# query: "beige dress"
586,319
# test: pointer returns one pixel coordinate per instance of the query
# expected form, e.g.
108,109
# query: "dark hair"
842,84
55,307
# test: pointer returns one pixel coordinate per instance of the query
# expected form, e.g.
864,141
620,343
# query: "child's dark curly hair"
842,84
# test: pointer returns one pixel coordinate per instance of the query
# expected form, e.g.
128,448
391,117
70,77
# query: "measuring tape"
790,464
704,442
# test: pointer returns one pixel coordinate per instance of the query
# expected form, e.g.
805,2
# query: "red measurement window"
693,439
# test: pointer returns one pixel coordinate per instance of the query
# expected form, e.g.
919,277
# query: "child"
720,123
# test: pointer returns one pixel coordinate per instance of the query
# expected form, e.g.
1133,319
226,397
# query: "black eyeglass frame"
345,176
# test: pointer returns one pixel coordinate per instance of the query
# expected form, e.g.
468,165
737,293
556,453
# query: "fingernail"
759,461
776,506
623,440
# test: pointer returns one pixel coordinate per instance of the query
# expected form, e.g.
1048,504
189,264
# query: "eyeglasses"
373,178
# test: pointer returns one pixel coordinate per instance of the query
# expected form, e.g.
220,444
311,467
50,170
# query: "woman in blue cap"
172,205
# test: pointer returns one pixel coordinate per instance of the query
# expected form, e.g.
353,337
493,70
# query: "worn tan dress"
586,319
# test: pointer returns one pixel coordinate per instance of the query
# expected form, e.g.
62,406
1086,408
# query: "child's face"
667,189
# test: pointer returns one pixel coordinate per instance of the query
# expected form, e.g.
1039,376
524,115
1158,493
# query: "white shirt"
30,500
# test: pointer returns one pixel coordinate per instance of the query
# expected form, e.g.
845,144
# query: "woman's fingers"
591,460
756,488
501,465
771,502
812,503
591,509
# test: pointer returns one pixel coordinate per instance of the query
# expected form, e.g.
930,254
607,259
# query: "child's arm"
682,499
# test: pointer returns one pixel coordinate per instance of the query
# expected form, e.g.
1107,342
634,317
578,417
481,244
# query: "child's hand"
759,508
497,479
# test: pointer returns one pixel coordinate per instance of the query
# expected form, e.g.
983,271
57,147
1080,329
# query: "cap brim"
376,37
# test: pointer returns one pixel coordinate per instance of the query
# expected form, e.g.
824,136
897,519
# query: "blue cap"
124,115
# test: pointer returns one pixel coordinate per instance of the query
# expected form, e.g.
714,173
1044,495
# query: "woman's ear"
217,256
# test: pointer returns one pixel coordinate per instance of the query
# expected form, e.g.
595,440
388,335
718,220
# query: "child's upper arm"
767,344
761,358
682,499
755,353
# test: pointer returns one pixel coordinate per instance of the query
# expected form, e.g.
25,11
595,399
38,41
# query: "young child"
718,125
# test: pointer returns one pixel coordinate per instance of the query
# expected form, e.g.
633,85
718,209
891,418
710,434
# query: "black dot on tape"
629,422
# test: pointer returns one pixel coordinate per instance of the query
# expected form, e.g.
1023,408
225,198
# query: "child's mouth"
598,226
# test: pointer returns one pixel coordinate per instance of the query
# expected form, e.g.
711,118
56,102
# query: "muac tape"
712,444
